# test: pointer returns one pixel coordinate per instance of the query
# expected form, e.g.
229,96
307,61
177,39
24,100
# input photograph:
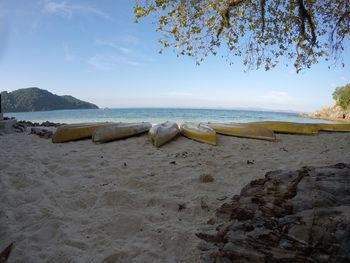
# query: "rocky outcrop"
288,216
44,129
21,126
43,124
335,113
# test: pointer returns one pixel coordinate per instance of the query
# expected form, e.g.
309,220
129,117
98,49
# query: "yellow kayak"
199,132
116,131
242,130
334,127
77,131
288,127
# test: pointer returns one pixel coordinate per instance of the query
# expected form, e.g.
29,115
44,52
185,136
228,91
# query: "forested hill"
35,99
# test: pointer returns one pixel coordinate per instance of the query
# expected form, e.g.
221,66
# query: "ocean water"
155,115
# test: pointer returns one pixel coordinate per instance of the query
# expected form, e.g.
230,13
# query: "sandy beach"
127,201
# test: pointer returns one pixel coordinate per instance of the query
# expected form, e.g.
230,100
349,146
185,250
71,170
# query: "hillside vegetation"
341,95
35,99
339,111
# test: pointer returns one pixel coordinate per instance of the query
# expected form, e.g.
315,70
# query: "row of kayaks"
162,133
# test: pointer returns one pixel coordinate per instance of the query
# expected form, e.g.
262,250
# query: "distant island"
35,99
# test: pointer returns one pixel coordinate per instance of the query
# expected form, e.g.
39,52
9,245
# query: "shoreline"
331,113
310,116
158,115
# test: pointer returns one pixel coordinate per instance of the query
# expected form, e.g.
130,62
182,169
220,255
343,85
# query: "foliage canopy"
260,31
341,95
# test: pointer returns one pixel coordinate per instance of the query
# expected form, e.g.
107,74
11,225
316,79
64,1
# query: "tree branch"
262,12
344,16
225,21
304,15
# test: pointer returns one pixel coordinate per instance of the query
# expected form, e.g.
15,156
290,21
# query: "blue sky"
94,51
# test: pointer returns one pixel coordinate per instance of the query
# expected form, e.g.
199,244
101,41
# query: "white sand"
77,202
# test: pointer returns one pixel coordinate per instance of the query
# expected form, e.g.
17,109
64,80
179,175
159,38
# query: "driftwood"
289,216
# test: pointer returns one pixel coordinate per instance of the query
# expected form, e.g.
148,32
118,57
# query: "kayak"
242,130
162,133
117,131
334,127
288,127
199,132
77,131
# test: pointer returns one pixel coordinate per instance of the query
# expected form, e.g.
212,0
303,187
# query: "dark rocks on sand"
43,124
21,126
288,216
206,178
4,255
41,132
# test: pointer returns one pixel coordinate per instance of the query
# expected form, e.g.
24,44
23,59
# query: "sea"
157,115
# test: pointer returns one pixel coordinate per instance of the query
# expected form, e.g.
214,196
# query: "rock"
5,254
204,202
9,124
41,132
181,206
206,178
328,113
288,216
19,127
43,124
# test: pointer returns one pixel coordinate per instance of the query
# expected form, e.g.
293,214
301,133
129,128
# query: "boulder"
287,216
42,132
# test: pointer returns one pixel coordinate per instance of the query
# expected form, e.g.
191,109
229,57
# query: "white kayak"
162,133
117,131
199,132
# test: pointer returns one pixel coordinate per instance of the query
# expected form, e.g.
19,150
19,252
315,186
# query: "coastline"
157,115
332,113
126,199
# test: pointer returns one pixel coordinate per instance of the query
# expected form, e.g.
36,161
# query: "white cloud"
292,71
129,40
112,61
103,62
277,96
68,10
179,94
125,50
106,43
113,44
122,55
68,56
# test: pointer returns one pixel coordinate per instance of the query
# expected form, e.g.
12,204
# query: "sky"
94,50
